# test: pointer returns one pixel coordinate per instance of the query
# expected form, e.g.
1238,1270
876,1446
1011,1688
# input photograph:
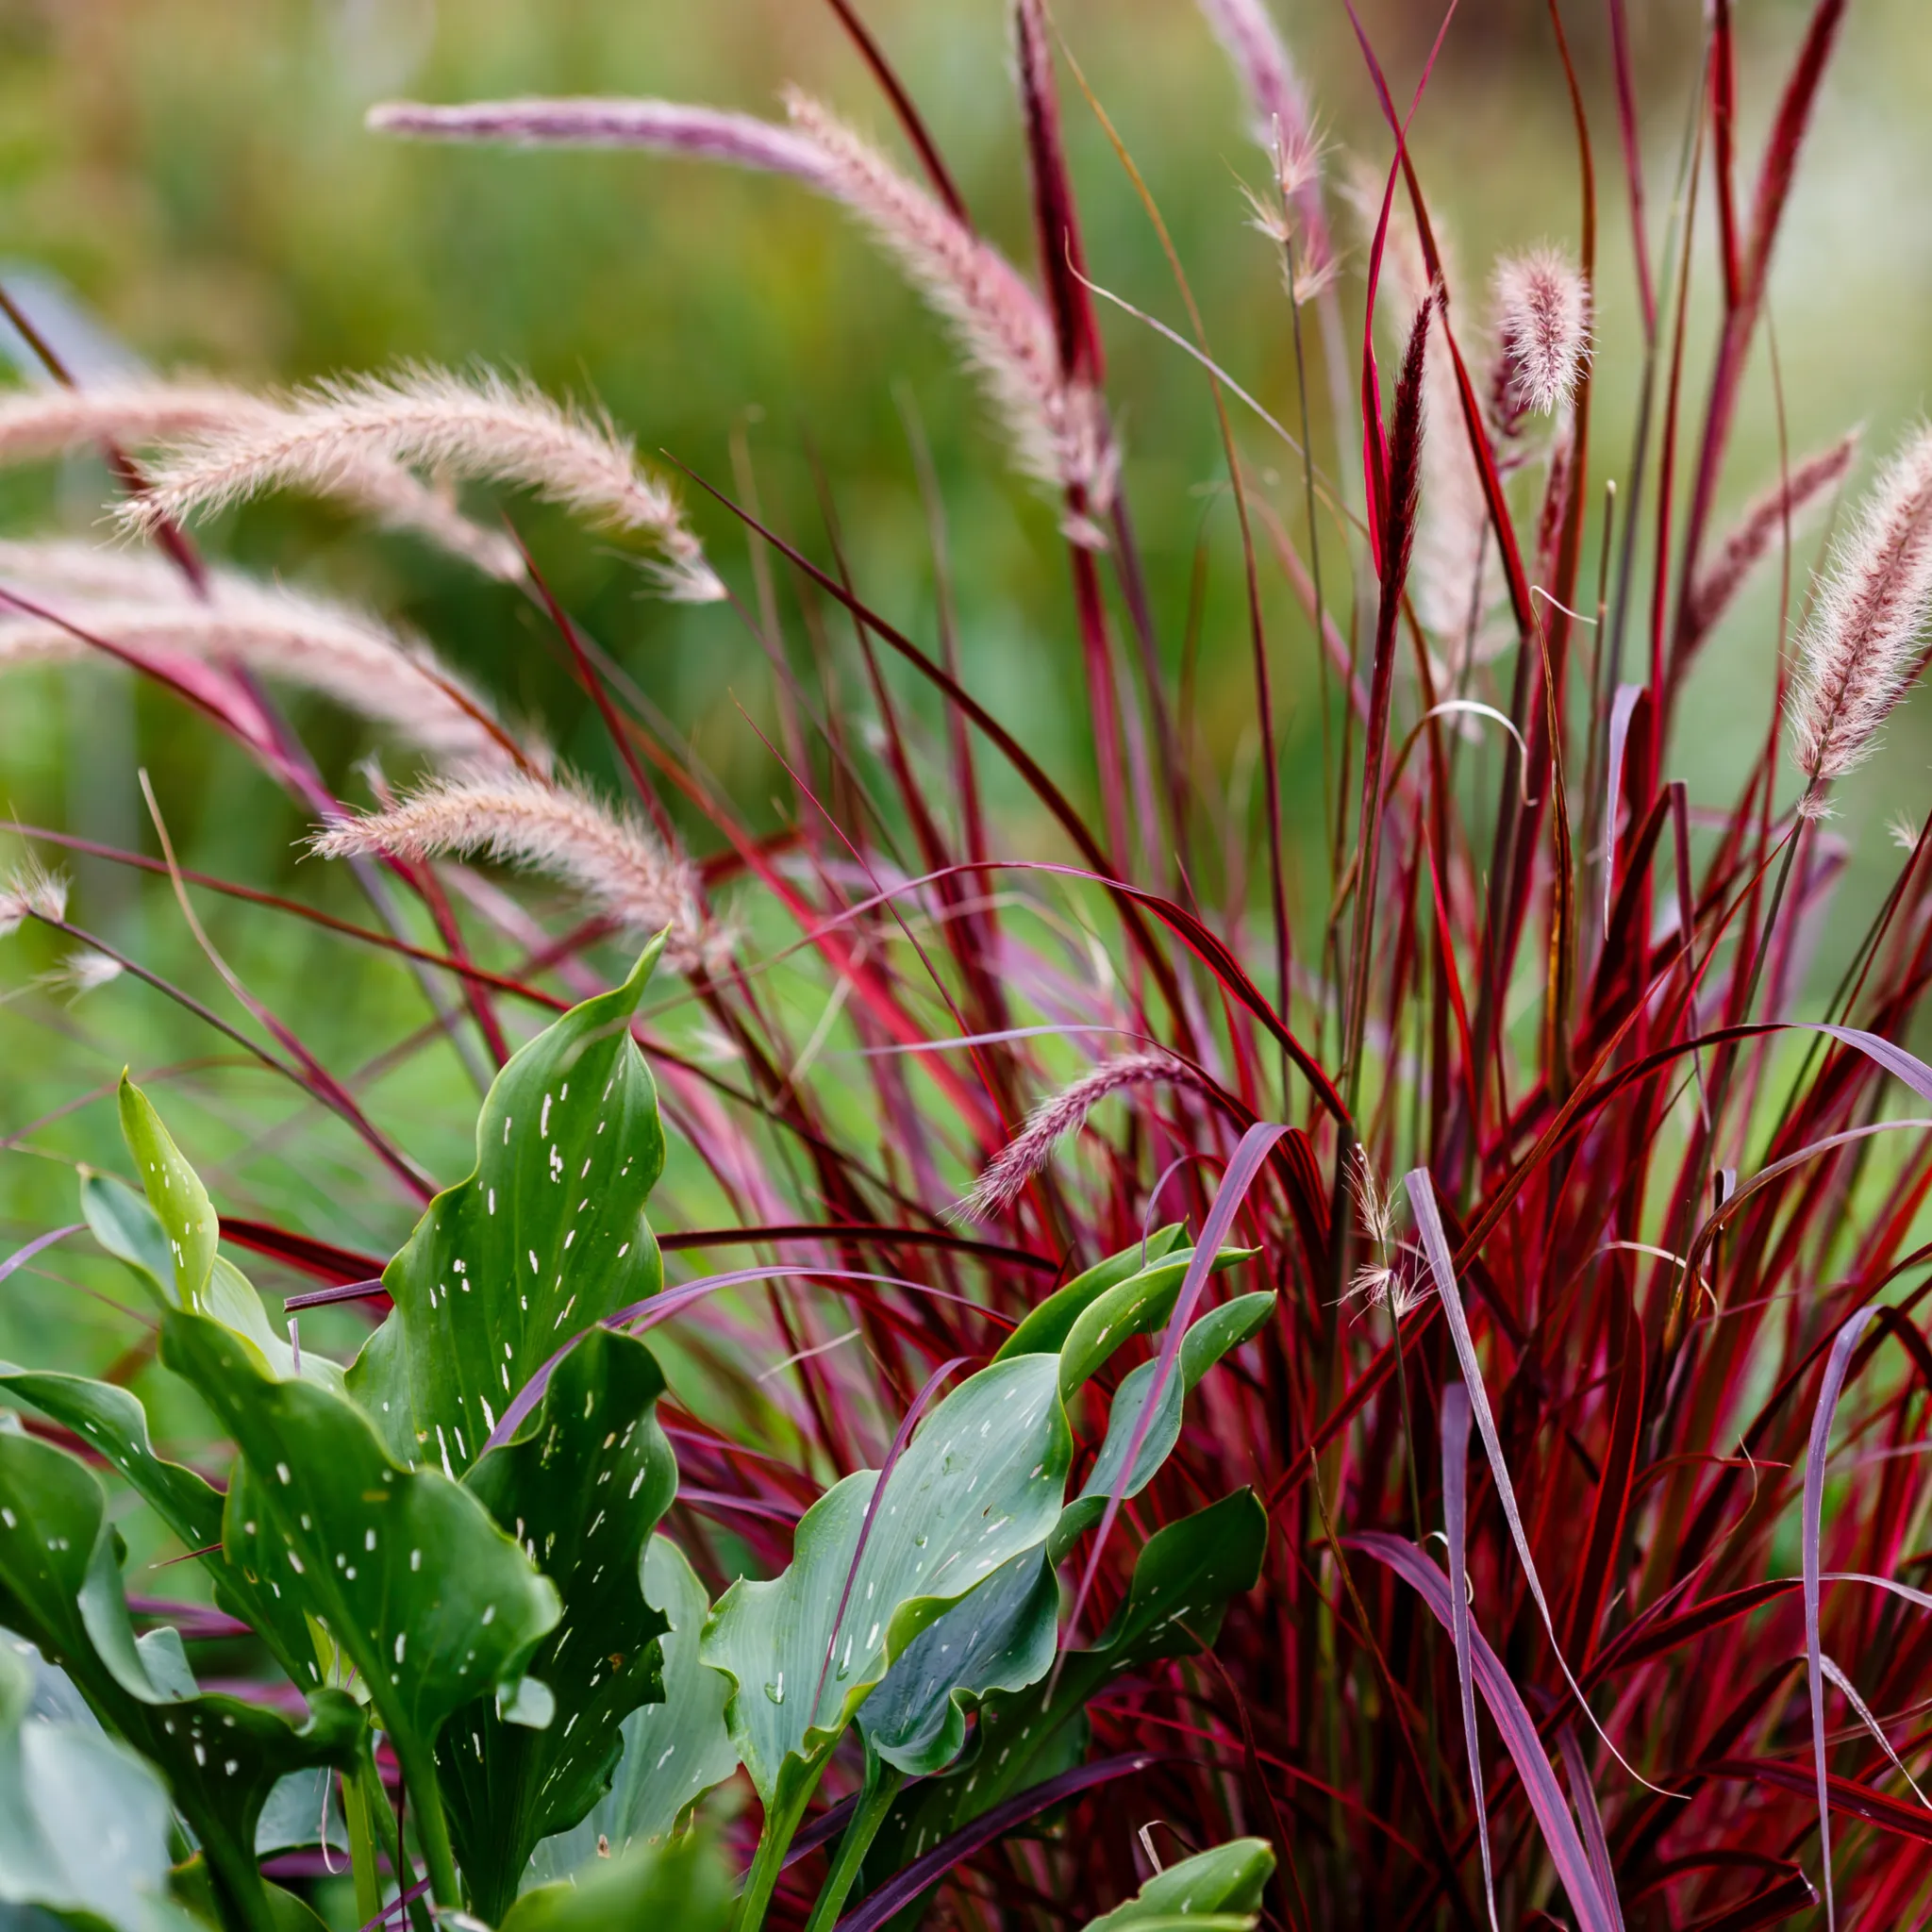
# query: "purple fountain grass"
1786,506
1026,1156
1661,1250
485,425
1542,329
1856,657
1057,428
551,826
147,607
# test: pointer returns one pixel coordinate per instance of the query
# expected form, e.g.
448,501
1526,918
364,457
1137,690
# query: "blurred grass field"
196,174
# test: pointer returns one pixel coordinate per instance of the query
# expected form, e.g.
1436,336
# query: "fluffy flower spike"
1856,656
1542,325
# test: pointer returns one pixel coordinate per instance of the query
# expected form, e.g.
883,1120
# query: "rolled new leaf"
183,1233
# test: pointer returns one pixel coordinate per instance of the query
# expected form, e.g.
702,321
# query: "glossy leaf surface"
546,1237
674,1750
581,1488
61,1587
403,1570
1219,1888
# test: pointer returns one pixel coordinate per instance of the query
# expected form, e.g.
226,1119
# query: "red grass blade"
1518,1727
1810,1531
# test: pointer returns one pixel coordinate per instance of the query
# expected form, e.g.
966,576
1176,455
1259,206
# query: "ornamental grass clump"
1126,1362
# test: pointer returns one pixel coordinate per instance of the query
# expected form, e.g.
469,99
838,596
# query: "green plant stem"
375,1807
882,1785
432,1828
361,1849
782,1819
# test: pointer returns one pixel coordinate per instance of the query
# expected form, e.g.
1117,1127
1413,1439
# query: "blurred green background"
195,175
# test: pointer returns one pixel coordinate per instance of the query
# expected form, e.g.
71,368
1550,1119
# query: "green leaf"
131,1231
1044,1330
673,1750
1134,1307
680,1887
84,1822
1216,1334
301,1811
402,1570
175,1193
546,1237
176,1229
582,1487
60,1588
981,1481
113,1421
1213,1892
1179,1592
1002,1636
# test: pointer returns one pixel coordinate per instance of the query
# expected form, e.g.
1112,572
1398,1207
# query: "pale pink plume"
1284,127
31,893
321,439
710,134
1027,1152
143,604
1542,325
1058,429
36,425
554,826
1760,531
1856,656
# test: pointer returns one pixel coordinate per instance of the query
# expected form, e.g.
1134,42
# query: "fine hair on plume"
143,604
37,424
1542,320
553,826
481,425
1026,1156
1856,656
1056,428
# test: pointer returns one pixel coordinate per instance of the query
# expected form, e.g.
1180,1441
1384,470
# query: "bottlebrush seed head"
1543,322
1856,656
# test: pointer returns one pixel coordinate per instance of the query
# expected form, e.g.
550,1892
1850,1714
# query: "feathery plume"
1455,577
484,426
1905,835
1759,531
551,826
1543,322
82,972
31,893
1057,428
36,425
709,134
138,602
1027,1152
1856,653
1382,1279
1283,125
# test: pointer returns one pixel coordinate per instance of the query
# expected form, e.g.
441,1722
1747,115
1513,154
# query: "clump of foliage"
1012,1603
